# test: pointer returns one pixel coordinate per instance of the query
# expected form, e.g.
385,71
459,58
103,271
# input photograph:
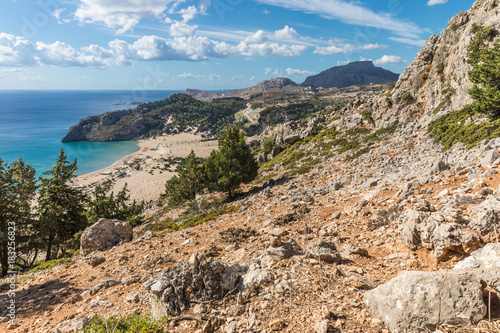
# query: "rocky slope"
361,230
437,80
274,85
354,73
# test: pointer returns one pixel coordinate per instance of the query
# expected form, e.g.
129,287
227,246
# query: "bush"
424,76
407,97
133,323
44,265
440,68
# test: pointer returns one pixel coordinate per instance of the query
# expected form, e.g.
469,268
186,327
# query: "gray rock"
486,216
104,285
433,230
438,167
95,260
420,301
348,250
255,277
171,291
490,157
104,234
337,186
322,250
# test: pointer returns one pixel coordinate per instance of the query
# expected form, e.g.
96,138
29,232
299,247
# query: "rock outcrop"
104,234
437,80
354,73
171,291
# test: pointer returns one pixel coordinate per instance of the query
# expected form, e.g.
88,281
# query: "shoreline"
146,170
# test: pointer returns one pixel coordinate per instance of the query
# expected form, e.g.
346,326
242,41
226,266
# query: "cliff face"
437,81
354,73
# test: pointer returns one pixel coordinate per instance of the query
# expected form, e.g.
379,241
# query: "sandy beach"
147,170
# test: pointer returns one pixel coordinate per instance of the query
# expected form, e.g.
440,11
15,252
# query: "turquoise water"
32,124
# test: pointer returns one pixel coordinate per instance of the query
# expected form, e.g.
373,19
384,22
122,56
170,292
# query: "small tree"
232,165
60,206
267,146
17,190
188,182
110,206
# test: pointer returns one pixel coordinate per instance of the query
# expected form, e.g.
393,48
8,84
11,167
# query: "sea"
32,124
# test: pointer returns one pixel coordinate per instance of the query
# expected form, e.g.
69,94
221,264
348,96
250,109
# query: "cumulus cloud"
340,48
181,29
119,14
390,60
286,33
436,2
19,51
258,37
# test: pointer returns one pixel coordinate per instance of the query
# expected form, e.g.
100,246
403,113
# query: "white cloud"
181,29
409,41
349,12
267,12
340,48
286,33
19,51
258,37
210,77
436,2
16,51
120,14
188,13
390,60
291,71
343,63
288,71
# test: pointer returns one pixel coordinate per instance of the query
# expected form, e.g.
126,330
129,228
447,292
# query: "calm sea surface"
32,124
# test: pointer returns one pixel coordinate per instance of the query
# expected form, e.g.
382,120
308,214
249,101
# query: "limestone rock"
419,301
171,291
322,250
255,277
486,216
104,234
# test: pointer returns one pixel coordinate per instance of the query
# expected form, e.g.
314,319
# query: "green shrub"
440,107
359,153
133,323
367,115
44,265
407,96
454,27
440,68
378,134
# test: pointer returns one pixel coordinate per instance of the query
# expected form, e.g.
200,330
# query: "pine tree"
485,73
111,206
233,165
17,191
60,206
188,182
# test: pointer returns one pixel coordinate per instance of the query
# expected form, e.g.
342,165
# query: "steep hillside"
174,114
437,81
354,73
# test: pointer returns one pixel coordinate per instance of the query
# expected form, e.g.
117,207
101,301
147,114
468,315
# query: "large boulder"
442,231
420,301
104,234
171,291
486,216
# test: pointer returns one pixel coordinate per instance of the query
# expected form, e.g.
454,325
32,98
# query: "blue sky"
205,44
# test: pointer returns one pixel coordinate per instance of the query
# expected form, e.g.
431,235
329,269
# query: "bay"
32,124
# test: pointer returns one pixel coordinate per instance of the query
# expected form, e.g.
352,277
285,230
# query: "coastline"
145,170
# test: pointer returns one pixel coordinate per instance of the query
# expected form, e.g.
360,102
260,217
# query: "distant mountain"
354,73
273,85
